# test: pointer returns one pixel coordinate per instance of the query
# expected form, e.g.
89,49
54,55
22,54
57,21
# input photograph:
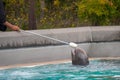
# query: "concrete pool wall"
15,47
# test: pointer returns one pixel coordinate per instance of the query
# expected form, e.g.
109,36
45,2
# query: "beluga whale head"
79,57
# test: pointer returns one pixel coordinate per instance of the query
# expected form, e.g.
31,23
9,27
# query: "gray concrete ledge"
96,41
78,35
56,53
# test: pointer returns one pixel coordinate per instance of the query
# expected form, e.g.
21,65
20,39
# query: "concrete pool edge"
33,64
97,42
78,35
51,62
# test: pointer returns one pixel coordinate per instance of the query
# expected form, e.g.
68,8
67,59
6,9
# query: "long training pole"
71,44
74,45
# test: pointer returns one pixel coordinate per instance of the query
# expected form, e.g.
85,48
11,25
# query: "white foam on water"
1,74
117,76
23,74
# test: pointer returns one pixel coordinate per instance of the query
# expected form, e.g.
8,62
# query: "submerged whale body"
79,57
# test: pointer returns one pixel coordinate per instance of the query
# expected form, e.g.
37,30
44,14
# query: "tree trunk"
42,2
31,15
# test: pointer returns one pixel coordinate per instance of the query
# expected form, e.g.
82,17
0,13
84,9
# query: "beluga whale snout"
79,57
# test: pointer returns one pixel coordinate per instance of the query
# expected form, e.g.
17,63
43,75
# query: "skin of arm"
3,19
11,26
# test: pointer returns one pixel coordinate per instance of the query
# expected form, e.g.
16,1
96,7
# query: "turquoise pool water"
97,70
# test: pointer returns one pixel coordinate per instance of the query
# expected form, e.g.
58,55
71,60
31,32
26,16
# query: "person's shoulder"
1,2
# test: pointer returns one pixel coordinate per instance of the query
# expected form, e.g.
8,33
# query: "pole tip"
74,45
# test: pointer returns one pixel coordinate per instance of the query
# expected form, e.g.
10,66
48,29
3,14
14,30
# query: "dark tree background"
46,14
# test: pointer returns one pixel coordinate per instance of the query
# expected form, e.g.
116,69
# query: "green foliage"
59,14
64,13
98,12
16,12
116,17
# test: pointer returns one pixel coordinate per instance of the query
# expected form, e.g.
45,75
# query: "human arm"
11,26
3,21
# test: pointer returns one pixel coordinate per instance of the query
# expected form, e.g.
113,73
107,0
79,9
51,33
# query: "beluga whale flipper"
79,57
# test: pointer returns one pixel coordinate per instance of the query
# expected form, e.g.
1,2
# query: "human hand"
11,26
15,28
